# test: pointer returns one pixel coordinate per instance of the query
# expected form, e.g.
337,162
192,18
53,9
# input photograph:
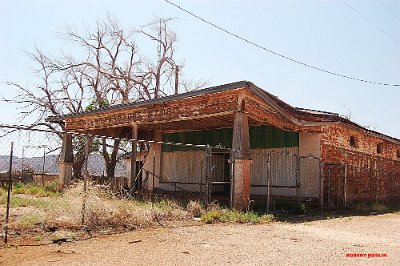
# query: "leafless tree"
107,69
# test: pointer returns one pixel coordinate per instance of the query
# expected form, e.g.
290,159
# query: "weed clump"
362,207
33,189
233,216
195,208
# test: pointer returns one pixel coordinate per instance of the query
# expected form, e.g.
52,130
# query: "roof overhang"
212,107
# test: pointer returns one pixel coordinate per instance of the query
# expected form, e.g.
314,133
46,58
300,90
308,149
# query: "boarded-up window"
353,141
379,148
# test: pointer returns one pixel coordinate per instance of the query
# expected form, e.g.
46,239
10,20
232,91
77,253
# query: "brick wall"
354,170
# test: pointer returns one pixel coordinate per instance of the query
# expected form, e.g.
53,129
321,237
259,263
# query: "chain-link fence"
282,176
103,182
348,184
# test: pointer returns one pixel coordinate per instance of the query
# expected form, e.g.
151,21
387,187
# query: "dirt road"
306,243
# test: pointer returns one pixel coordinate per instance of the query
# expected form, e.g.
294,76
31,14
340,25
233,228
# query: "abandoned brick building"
275,148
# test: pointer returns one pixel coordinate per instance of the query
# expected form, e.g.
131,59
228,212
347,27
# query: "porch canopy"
238,105
209,108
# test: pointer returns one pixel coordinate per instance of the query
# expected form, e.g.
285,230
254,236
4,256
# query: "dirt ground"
282,243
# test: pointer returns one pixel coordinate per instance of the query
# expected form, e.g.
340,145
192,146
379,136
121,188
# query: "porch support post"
242,161
152,165
65,161
131,173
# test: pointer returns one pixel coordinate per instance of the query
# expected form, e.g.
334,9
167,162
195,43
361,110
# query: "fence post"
88,144
43,166
376,183
345,187
329,185
268,181
208,175
153,171
8,193
132,166
298,178
390,198
370,181
232,196
321,187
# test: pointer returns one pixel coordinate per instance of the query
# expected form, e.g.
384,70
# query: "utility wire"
390,11
278,54
371,22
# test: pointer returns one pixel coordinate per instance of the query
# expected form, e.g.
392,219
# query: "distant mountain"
96,164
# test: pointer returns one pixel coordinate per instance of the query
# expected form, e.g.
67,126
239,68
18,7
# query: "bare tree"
108,69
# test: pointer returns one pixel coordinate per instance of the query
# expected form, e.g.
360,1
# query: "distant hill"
96,164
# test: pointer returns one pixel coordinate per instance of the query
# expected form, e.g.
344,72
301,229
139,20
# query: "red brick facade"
359,166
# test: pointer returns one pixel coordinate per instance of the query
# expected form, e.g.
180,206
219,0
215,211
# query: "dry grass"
96,208
39,216
195,208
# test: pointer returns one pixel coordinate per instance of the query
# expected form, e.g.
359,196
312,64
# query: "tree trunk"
110,169
110,159
78,165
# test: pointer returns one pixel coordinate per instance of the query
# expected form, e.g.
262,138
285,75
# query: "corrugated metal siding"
262,137
283,170
188,169
183,166
265,137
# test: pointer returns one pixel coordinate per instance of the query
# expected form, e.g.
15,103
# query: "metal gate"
283,175
219,185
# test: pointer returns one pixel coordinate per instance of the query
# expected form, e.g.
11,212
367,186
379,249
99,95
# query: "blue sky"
327,34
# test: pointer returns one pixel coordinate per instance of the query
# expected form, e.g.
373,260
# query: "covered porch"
245,124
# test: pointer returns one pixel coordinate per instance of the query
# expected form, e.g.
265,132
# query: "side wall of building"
358,166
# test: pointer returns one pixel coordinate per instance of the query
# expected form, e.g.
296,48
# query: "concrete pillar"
66,161
152,165
131,173
241,161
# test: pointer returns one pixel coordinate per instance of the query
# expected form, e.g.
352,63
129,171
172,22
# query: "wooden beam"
180,109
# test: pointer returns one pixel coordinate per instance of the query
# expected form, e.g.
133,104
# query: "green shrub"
233,216
18,185
52,187
212,217
36,190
